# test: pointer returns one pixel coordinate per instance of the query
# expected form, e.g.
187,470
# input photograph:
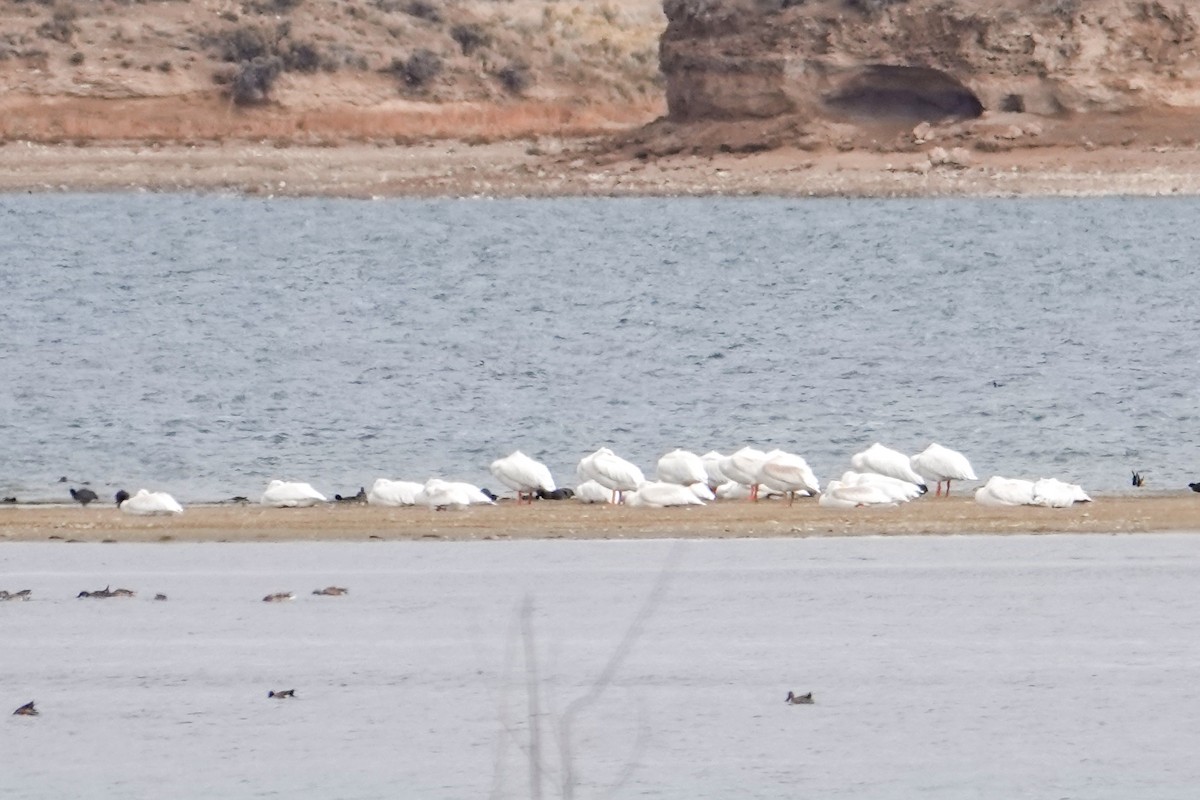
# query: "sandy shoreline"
581,168
1166,512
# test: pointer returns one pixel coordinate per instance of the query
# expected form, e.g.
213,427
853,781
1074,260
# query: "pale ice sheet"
1050,666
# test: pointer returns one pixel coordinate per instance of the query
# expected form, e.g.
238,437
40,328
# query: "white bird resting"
525,475
839,495
742,467
148,504
291,494
660,494
886,461
900,490
386,492
1049,492
1054,493
787,473
1000,491
712,466
683,467
441,495
592,492
611,471
941,464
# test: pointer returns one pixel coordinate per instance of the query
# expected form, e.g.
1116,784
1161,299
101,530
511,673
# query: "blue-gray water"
205,345
943,668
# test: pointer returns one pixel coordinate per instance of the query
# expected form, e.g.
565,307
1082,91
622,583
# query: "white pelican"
387,492
787,473
902,491
661,494
291,494
592,492
683,467
1000,491
839,495
937,463
712,465
611,471
1057,494
742,467
440,495
702,491
520,472
148,504
886,461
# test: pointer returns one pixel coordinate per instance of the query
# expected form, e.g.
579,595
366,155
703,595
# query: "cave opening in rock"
885,92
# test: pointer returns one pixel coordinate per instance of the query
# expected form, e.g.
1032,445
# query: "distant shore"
580,168
1126,513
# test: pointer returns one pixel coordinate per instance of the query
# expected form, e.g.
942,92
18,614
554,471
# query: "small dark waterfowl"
558,494
794,699
11,501
361,497
279,597
332,591
83,496
1195,487
107,591
160,596
283,695
26,710
1138,479
21,595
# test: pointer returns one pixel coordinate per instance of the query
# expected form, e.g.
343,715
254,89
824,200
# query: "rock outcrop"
935,60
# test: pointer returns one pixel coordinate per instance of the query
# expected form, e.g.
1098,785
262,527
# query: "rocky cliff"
934,60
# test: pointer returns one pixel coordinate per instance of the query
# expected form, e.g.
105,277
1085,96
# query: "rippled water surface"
204,345
942,667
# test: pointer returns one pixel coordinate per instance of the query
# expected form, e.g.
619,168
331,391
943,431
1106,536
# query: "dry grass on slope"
325,70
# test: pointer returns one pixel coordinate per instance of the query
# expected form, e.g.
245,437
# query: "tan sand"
581,167
1163,512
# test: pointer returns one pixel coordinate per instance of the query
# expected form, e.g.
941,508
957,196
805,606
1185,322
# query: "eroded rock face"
927,59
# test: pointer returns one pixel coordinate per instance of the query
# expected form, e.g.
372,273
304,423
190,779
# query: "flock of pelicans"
878,476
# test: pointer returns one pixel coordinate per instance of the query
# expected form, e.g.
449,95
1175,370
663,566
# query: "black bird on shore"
361,497
1195,487
83,496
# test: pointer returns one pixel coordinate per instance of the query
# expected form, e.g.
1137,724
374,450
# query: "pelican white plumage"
1001,491
148,504
291,494
611,471
886,461
439,494
900,490
592,492
702,491
1057,494
712,466
387,492
682,467
937,463
661,494
788,473
742,467
522,473
840,495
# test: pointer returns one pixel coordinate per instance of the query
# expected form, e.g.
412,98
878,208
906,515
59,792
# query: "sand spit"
569,520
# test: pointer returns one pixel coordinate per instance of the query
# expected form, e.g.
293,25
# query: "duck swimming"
26,710
799,700
283,695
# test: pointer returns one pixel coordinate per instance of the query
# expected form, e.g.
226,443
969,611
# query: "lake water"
204,345
942,668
